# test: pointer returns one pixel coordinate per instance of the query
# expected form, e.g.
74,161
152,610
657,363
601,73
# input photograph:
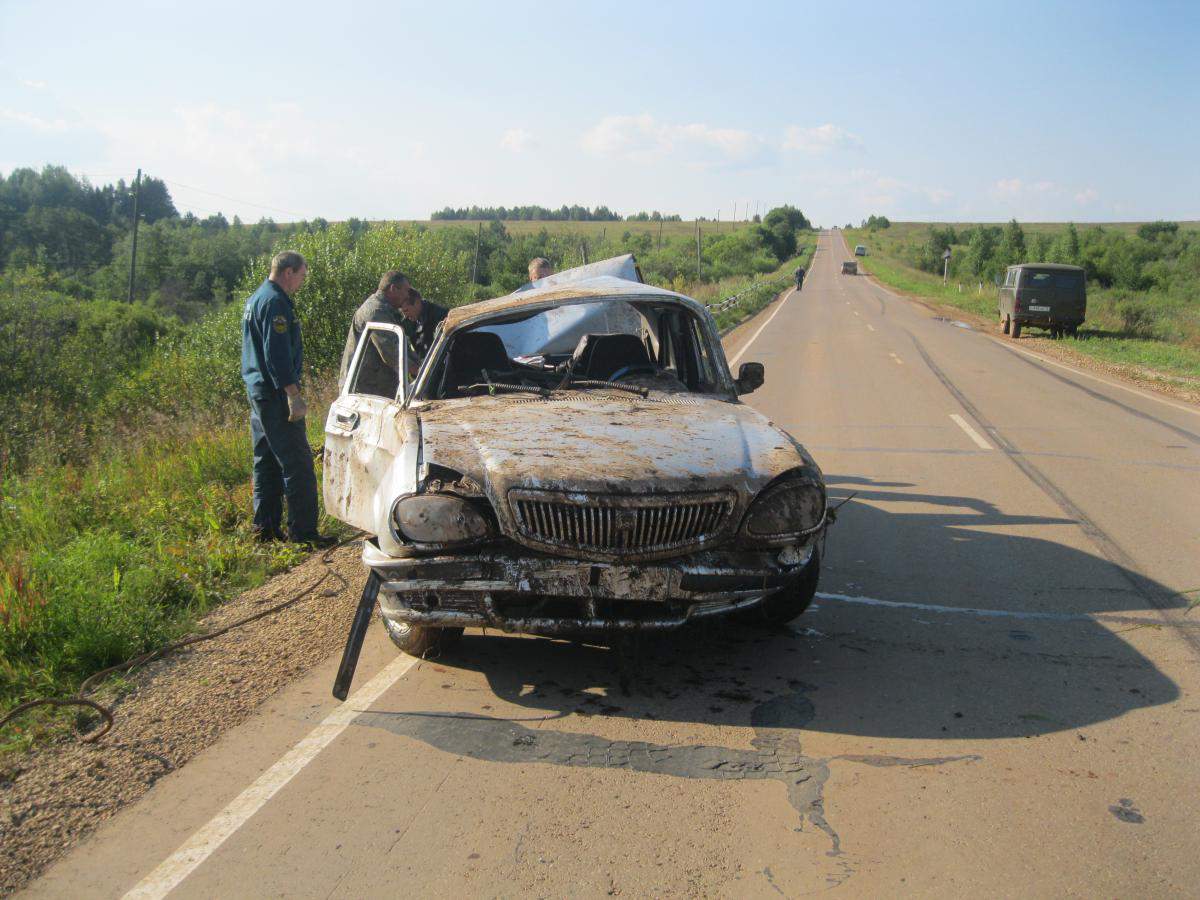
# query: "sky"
976,112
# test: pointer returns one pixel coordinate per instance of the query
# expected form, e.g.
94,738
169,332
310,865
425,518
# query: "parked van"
860,250
1047,295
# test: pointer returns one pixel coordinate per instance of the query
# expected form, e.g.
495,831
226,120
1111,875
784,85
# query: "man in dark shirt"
799,273
381,306
421,318
272,363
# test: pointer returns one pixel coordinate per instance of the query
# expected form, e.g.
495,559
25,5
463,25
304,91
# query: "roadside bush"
1136,317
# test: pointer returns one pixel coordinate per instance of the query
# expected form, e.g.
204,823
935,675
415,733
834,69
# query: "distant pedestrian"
539,267
799,277
382,306
272,363
421,317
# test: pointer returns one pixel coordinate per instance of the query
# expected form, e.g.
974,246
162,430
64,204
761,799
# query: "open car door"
354,461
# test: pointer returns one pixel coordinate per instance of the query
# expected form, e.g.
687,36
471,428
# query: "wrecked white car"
571,458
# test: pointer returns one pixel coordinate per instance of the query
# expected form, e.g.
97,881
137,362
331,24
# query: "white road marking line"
971,432
175,868
870,327
896,359
964,610
746,346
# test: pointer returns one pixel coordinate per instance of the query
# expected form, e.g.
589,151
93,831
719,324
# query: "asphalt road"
995,693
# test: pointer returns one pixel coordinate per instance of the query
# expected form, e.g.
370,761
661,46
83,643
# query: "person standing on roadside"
799,277
421,317
382,306
272,363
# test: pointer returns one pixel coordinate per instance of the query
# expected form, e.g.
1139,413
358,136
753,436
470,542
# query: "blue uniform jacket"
272,350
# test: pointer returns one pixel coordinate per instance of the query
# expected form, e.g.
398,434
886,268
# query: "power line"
189,187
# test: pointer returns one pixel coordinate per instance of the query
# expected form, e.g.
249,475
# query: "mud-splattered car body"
571,457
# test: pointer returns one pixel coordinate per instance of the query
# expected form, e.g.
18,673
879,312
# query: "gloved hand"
297,408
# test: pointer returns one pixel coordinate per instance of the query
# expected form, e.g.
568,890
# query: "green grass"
101,562
1103,337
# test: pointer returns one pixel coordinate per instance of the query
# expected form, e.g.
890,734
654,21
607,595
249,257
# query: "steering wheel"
634,369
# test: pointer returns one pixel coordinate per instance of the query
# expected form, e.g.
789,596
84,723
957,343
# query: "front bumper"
539,594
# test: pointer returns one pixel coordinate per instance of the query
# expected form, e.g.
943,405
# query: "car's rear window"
1061,281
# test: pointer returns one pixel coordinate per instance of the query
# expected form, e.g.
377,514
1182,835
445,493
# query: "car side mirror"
750,377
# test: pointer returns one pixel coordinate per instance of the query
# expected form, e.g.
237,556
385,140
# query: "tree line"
1159,256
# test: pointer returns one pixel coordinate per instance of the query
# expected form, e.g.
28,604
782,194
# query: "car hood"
605,444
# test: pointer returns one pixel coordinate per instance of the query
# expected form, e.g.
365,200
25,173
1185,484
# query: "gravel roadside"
55,795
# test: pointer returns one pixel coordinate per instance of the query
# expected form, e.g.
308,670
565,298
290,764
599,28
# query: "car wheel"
782,607
421,640
1006,323
1015,330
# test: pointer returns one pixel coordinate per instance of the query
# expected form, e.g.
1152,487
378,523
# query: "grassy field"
1105,336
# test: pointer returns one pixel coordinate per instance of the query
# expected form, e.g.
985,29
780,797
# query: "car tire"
780,608
1015,330
1005,324
422,641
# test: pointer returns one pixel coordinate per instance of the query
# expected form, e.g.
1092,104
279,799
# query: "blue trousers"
283,466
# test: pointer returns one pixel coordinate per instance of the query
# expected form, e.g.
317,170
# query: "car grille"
616,525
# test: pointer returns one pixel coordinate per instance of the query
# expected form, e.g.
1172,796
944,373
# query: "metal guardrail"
734,299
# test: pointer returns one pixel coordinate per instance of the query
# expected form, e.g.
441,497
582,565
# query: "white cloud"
1086,196
32,122
517,140
886,194
35,85
1009,188
644,139
820,139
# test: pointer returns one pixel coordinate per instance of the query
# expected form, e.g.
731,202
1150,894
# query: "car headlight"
441,519
786,510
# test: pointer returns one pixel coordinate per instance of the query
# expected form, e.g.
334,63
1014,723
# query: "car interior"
669,352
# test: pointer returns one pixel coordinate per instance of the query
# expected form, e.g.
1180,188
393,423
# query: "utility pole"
137,184
475,265
660,221
583,250
697,249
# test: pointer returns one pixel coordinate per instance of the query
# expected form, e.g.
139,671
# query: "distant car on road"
849,267
860,250
1047,295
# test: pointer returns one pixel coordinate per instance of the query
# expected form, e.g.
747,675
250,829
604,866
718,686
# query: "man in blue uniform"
272,363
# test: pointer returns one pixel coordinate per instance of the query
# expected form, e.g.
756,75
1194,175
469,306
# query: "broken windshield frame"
673,349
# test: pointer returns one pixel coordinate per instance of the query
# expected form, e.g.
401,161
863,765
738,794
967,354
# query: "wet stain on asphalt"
777,753
1127,812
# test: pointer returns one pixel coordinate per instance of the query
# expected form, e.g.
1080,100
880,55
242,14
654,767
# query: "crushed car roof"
567,286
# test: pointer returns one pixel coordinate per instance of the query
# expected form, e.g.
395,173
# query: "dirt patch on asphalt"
55,795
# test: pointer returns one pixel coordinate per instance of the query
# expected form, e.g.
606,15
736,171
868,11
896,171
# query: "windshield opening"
613,344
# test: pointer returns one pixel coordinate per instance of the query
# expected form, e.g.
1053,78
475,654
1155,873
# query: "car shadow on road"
876,670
